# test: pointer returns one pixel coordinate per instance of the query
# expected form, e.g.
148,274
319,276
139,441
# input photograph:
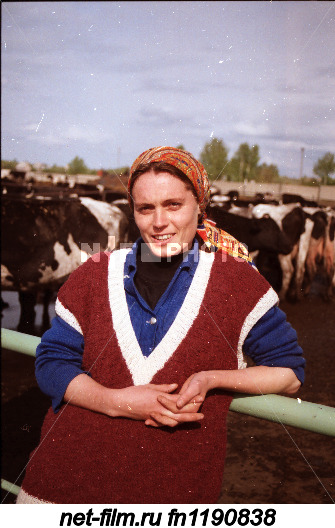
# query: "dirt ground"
266,462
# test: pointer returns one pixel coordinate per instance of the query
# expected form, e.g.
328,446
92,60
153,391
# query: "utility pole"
301,161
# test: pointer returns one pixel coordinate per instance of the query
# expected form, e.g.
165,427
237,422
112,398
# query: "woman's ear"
199,215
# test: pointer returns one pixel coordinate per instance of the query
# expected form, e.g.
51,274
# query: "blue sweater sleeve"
273,342
58,360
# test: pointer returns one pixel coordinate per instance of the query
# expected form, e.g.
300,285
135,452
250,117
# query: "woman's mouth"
162,238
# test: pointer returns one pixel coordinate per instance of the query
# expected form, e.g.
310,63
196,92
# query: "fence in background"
250,188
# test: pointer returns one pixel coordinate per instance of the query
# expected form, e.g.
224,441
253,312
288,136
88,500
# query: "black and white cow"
321,252
298,226
329,254
44,240
241,207
257,234
288,198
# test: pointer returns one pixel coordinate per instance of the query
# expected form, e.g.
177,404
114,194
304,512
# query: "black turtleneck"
153,274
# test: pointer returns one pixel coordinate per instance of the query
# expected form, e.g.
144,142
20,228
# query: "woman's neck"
149,262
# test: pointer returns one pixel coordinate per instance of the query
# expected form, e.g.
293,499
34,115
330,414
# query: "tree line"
242,166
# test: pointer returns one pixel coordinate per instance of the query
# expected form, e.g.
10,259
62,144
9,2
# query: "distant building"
23,166
117,182
5,173
39,166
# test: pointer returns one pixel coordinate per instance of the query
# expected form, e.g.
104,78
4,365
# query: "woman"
147,348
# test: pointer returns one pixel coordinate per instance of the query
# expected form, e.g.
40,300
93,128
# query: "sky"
107,80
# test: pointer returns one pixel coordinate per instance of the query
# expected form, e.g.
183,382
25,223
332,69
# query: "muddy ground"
266,462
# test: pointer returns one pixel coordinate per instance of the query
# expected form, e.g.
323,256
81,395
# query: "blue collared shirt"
151,324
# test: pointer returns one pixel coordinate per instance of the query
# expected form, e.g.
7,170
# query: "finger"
170,404
162,419
151,422
179,418
185,386
167,403
187,397
189,417
192,407
165,387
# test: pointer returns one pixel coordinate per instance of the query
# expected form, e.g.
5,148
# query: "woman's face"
166,213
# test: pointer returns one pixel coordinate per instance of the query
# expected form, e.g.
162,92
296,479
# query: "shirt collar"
189,262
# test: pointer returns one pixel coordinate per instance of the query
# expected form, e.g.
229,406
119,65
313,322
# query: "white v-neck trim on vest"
142,368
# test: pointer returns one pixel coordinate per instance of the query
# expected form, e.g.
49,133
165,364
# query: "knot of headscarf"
213,237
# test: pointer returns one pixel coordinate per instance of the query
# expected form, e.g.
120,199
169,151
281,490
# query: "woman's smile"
162,237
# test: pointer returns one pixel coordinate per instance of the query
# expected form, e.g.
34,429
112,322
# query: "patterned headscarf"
213,237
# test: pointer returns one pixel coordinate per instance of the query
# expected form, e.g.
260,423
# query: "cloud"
326,71
290,88
250,129
169,85
162,117
73,133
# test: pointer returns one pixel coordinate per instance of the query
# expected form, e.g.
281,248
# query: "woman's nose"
160,218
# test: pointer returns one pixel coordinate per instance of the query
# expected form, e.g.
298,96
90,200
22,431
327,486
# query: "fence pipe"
19,342
280,409
8,486
287,411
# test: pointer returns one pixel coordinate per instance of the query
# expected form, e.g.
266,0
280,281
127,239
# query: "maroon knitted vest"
87,457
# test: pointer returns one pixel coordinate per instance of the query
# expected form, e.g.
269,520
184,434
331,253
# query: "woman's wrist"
114,404
213,379
85,392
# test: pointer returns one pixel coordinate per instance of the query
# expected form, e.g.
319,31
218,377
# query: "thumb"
165,387
186,398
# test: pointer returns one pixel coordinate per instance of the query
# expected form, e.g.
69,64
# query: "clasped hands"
160,405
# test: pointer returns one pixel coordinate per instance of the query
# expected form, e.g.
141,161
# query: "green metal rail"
8,486
280,409
24,343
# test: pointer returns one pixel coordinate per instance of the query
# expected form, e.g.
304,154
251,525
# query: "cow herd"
307,241
45,238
